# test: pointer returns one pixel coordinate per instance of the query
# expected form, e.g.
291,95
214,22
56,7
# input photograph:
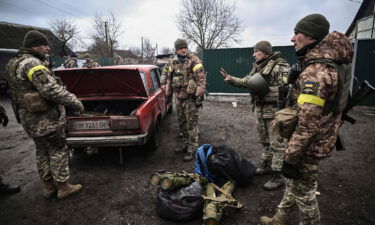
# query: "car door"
155,80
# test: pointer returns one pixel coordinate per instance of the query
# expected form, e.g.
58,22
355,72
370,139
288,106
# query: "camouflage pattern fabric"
27,73
301,193
52,157
178,76
71,63
273,144
275,70
91,63
315,134
187,115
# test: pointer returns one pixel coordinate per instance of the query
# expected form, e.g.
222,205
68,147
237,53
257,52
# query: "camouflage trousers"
273,144
187,115
301,193
52,156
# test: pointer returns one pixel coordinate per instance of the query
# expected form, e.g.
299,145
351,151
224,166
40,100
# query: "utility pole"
106,35
142,49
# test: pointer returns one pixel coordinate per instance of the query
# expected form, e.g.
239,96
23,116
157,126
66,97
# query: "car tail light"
124,123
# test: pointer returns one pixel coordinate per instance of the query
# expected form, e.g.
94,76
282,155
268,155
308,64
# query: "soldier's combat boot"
277,219
49,189
276,182
189,156
265,168
67,190
6,189
181,149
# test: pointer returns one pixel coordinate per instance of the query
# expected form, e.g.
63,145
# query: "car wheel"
154,140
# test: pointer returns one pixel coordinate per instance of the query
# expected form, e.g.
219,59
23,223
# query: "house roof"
366,9
125,53
11,37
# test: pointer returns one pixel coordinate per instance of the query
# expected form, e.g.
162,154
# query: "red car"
123,106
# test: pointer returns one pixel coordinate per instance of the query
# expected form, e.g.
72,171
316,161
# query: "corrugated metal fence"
237,62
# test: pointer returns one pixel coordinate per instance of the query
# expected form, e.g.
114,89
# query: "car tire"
154,140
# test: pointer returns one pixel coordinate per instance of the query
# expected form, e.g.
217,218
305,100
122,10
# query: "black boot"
6,189
182,149
276,182
264,169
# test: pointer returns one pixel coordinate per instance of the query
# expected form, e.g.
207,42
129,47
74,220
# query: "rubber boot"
6,189
181,149
189,156
66,190
264,169
277,219
49,189
276,182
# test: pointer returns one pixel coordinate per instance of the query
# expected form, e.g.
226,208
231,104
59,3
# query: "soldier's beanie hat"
87,55
264,46
313,25
34,38
180,43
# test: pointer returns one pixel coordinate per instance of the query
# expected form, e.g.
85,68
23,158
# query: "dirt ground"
121,194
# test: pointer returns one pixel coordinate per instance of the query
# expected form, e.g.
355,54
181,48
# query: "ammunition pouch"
35,102
192,87
285,122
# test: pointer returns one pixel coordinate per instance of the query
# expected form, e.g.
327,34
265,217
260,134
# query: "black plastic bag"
181,205
226,162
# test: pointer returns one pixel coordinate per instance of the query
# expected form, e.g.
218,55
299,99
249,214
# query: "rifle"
364,90
216,206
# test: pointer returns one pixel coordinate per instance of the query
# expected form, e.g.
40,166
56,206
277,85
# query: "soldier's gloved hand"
290,171
4,119
199,102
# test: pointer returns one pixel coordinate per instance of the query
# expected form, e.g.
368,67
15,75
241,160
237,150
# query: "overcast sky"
271,20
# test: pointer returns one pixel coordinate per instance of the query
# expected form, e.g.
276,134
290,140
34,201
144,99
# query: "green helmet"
258,85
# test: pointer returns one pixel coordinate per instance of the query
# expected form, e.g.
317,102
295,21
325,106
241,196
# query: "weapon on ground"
170,180
216,206
364,90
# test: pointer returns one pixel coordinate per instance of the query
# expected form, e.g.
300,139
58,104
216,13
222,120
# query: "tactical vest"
339,102
181,72
273,82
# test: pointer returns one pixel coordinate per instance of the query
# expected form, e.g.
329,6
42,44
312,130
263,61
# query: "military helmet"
87,55
258,85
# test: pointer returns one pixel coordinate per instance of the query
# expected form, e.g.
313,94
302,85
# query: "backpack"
344,71
224,162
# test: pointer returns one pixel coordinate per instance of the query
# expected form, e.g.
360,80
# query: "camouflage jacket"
71,63
275,70
315,133
27,72
91,63
186,78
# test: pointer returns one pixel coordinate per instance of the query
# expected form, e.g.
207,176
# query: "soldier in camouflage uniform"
90,63
6,188
187,80
72,61
274,70
315,133
38,101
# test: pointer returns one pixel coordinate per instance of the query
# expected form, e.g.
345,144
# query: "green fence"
364,66
237,62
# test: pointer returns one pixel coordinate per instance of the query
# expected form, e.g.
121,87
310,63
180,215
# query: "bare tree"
105,34
66,31
148,51
209,23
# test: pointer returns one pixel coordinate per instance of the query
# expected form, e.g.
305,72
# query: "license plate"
91,125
